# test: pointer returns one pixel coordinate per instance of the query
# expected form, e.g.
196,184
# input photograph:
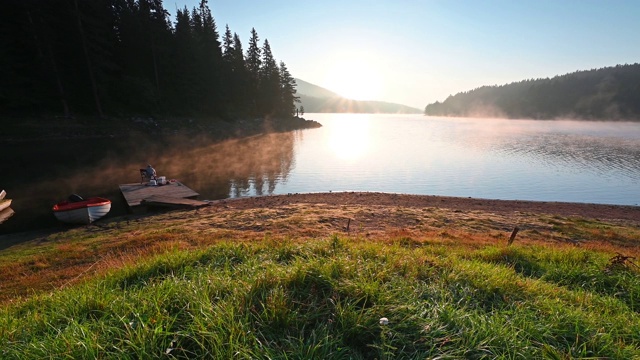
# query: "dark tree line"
124,57
611,93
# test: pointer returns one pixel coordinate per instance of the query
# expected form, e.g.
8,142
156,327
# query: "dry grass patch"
49,261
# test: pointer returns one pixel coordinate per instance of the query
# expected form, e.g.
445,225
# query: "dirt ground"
591,211
372,215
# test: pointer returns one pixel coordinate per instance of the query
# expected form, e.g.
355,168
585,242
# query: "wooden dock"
173,195
172,202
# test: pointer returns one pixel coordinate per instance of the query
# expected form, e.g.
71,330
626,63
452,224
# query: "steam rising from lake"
572,161
96,167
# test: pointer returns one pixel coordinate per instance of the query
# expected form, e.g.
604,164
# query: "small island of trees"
106,58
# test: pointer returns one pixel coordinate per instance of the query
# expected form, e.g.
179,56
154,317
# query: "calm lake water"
575,161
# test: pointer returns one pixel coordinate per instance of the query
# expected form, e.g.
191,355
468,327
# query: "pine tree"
253,62
158,29
144,40
185,89
208,60
227,45
269,94
227,71
240,88
253,55
288,98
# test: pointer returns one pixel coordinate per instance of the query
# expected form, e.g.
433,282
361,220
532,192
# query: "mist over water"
591,162
45,173
575,161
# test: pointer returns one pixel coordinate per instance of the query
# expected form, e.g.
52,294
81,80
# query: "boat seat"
75,198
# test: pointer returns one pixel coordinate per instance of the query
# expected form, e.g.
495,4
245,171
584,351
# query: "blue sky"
418,52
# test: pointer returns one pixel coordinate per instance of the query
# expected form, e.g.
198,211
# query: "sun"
354,78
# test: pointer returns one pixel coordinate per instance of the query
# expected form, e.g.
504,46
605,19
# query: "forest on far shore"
611,93
106,58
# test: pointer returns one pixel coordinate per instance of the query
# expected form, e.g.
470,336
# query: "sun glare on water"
350,139
355,79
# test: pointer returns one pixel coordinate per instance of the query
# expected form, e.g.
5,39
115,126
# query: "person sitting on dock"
151,172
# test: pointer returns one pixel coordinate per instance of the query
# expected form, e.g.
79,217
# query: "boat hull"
6,214
5,203
82,212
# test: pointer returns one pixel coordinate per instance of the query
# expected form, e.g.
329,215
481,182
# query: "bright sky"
415,52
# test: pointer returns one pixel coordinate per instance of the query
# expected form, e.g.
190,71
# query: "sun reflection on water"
350,140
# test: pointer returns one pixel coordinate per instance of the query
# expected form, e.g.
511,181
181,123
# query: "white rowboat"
6,214
82,212
4,203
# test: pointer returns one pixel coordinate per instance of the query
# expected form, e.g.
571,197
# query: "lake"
574,161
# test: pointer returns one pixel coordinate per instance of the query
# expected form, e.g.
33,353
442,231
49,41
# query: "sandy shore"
592,211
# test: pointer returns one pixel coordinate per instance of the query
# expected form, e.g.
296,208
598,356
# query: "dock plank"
135,193
173,202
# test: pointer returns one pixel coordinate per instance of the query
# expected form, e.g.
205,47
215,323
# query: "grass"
132,291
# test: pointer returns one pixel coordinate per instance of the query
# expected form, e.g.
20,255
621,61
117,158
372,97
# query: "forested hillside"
124,57
342,105
611,93
309,89
316,99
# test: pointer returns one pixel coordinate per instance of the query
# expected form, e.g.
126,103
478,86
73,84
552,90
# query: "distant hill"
611,93
316,99
310,89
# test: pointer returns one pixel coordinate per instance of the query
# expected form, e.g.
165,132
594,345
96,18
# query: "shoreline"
565,209
358,216
368,210
52,128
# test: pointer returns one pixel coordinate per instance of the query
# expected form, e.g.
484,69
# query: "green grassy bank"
323,298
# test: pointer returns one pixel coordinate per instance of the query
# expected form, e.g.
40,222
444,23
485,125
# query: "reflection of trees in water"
267,160
231,167
39,175
251,166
